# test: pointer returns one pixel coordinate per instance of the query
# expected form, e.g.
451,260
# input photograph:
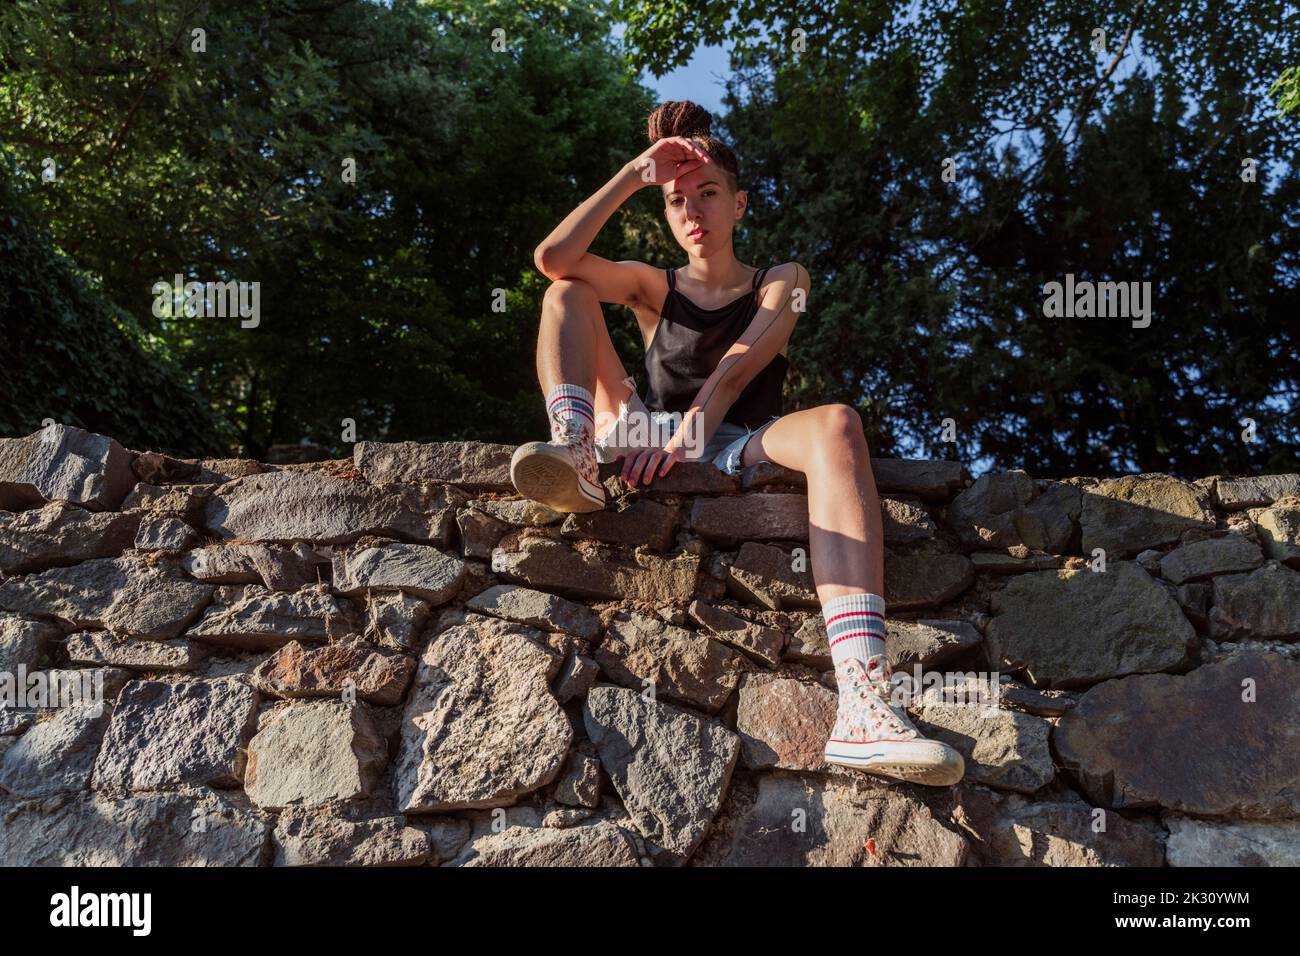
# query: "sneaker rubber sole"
545,473
926,762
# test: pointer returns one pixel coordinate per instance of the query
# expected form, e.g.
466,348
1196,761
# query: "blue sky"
701,80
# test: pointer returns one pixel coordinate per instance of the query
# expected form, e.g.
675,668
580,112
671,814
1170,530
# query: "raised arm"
563,254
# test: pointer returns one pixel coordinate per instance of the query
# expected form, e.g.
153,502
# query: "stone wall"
395,660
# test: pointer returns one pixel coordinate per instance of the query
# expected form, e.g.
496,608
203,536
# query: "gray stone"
771,576
395,620
915,581
1181,742
305,506
61,534
316,839
1005,829
417,569
164,532
471,464
933,481
1002,749
105,647
1279,531
1201,559
681,666
641,523
23,641
1006,510
763,643
1195,842
481,727
255,618
1077,627
64,464
1234,494
164,829
555,566
120,594
537,609
165,734
579,784
599,843
276,567
1262,604
1126,515
671,768
309,754
792,819
55,755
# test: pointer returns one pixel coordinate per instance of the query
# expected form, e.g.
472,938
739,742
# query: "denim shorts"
724,448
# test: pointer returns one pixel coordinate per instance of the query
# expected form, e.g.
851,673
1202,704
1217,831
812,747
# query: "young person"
716,333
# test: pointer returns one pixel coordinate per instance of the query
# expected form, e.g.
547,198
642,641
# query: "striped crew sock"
572,413
855,626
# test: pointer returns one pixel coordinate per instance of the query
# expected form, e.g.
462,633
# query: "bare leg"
574,347
845,528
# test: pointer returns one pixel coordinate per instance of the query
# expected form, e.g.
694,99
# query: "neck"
722,270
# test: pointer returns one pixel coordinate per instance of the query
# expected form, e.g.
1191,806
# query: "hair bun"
679,118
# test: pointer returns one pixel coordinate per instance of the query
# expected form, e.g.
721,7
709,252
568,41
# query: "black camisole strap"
758,279
671,276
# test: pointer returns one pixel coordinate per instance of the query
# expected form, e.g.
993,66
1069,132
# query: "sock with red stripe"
572,411
855,626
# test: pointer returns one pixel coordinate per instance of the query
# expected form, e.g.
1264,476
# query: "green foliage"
73,356
376,297
927,298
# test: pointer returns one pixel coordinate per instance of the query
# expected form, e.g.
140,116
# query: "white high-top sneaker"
872,735
563,473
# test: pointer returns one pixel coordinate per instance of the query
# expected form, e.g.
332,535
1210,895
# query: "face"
702,199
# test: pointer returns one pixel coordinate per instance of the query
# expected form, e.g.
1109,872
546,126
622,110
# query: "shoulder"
788,275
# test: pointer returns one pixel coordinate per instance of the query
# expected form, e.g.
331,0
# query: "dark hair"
692,121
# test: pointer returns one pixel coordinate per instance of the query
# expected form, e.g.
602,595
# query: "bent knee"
842,422
569,291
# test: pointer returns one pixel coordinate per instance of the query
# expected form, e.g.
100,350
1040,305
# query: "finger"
652,466
634,472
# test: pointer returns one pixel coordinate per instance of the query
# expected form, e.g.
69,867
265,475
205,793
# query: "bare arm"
766,336
563,254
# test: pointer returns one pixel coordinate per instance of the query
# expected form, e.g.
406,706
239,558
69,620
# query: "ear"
742,203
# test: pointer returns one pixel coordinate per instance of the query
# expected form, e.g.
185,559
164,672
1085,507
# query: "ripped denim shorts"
724,448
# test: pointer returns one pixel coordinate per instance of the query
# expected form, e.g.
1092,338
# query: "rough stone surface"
671,768
375,675
161,829
537,609
1184,740
310,754
121,594
304,506
1126,515
321,839
642,652
1075,628
481,727
1262,604
413,568
408,664
165,734
257,618
61,534
792,819
61,463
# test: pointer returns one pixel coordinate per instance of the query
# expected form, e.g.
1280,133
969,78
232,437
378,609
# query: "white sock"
571,408
855,626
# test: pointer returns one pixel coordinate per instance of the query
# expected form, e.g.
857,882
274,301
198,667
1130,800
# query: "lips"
696,233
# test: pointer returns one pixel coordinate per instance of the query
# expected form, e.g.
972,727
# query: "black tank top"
688,344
